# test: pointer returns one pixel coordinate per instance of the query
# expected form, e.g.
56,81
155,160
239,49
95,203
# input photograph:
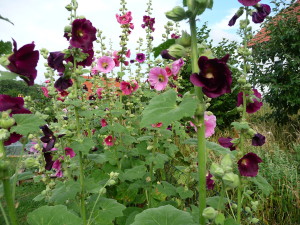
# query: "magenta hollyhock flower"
99,92
16,105
55,61
83,34
251,107
124,19
157,125
63,83
248,165
226,143
169,71
258,139
134,85
210,122
174,36
158,78
45,92
59,173
70,152
127,88
103,123
214,77
210,183
148,22
109,140
249,2
128,54
24,61
105,64
263,10
95,71
176,66
140,57
57,165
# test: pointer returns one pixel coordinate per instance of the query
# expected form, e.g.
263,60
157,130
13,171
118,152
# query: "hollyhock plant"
248,165
158,78
45,92
210,183
251,107
140,57
124,19
226,143
83,34
70,152
23,61
63,83
105,64
263,10
249,2
210,122
176,66
258,139
99,92
214,77
16,106
55,61
109,140
103,123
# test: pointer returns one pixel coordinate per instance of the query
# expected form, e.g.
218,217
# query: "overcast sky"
43,21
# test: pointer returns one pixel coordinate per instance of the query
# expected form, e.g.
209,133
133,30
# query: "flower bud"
254,220
68,29
177,51
231,180
4,135
248,210
185,40
111,182
7,123
69,7
31,162
176,14
4,61
216,170
209,213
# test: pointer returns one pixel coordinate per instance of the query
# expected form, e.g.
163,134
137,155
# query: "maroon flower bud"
258,139
226,143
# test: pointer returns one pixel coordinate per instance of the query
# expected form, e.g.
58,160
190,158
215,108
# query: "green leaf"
53,215
4,75
167,188
164,215
215,201
97,158
83,146
220,219
262,184
27,123
6,19
134,173
5,47
230,221
157,50
240,125
65,191
217,148
184,193
163,108
89,114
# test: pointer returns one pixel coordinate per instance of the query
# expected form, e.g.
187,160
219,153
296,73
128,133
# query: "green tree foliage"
276,65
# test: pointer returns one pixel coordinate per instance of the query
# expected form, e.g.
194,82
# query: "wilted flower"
214,77
83,34
124,19
158,78
258,139
251,107
105,64
55,61
140,57
109,140
249,2
226,143
248,165
263,10
24,61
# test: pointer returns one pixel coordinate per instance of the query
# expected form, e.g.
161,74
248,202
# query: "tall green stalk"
201,127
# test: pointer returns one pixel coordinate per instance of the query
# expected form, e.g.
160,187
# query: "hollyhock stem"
9,201
201,128
2,150
4,214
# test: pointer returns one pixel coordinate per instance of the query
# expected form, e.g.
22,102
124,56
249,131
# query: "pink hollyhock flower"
127,88
125,19
174,36
169,71
45,92
248,165
99,92
95,71
251,107
24,61
109,140
126,63
128,53
83,34
32,148
176,66
157,125
70,152
140,57
210,124
57,165
59,173
105,64
131,26
158,78
47,81
249,2
103,123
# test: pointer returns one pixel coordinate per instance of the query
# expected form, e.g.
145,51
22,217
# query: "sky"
43,21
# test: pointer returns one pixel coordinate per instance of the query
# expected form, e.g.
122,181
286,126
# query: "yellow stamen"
161,78
209,75
105,65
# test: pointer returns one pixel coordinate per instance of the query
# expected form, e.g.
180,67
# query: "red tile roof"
263,36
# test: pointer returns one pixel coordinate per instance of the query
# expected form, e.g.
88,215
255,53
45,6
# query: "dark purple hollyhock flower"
258,139
148,22
226,143
24,61
83,34
251,107
210,183
49,161
140,57
263,10
165,55
16,105
87,61
62,83
214,77
48,138
233,20
55,61
248,165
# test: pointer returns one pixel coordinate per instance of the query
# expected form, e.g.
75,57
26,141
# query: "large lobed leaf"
163,108
27,123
